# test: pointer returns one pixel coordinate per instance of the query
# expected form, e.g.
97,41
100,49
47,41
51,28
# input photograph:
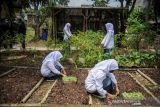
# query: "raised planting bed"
72,93
155,90
128,84
153,74
4,69
22,58
15,85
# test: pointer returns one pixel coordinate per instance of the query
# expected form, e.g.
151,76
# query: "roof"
90,7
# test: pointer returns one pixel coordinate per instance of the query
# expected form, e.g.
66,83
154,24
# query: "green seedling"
133,95
69,78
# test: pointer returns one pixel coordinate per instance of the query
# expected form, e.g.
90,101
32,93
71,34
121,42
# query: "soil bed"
4,69
127,84
15,85
155,90
33,58
70,93
153,74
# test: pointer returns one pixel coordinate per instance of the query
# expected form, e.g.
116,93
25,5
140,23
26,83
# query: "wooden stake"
7,72
33,89
149,92
145,76
45,97
90,100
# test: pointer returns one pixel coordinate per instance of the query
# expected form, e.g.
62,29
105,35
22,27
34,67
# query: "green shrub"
89,46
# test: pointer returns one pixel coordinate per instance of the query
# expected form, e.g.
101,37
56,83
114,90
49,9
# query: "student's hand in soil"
63,75
110,96
64,72
109,101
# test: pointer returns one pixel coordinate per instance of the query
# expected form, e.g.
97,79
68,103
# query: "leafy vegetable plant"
133,95
69,78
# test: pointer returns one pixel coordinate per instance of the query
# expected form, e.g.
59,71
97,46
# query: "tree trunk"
132,7
37,32
37,22
147,9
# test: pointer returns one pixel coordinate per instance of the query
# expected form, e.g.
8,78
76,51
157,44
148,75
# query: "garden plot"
145,83
152,73
70,93
4,69
41,92
128,85
22,58
15,85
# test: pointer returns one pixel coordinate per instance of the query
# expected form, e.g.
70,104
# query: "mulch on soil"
127,84
70,93
14,86
153,74
4,69
33,58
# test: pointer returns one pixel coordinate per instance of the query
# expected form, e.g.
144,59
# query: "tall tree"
42,10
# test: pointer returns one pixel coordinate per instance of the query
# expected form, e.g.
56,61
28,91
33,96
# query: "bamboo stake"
145,76
31,92
90,100
45,97
149,92
7,72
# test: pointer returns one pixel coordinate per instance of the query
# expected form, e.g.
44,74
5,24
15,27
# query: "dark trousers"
109,86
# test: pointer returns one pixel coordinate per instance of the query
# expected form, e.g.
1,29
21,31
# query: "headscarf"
109,26
53,57
106,66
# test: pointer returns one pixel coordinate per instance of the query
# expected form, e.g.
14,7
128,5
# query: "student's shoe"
96,94
99,96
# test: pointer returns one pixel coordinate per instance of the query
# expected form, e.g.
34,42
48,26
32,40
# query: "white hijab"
67,32
53,57
106,66
109,27
110,32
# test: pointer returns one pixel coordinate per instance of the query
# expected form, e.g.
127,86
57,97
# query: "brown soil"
4,69
33,58
17,84
155,90
127,84
70,93
153,74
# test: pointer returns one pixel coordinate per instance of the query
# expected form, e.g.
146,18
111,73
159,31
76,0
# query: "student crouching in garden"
108,41
51,66
101,82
